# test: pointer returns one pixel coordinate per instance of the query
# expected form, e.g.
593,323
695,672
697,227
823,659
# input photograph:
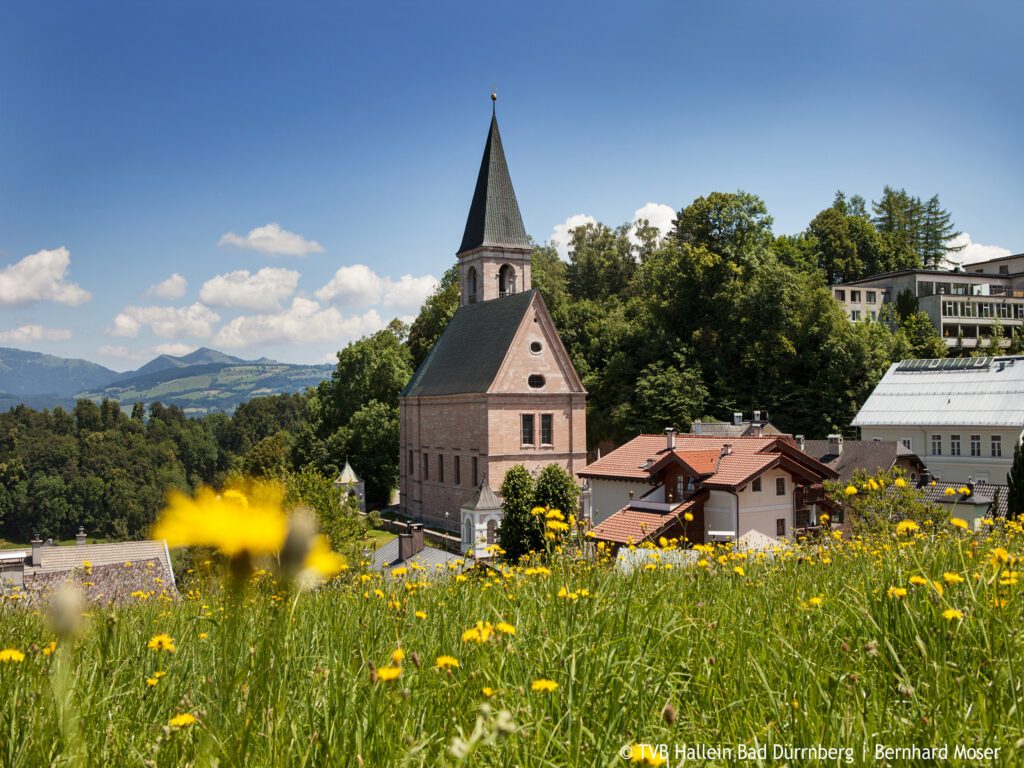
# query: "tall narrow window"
426,467
492,530
756,485
780,486
954,445
936,445
997,445
546,425
458,469
975,445
471,284
506,280
780,526
440,467
528,438
411,465
476,475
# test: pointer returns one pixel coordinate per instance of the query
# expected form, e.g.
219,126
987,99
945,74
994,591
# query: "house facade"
962,304
872,456
962,416
498,387
705,488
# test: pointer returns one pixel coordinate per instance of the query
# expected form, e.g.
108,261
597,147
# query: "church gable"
536,361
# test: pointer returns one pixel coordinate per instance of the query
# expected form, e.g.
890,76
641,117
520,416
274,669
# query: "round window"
536,347
536,381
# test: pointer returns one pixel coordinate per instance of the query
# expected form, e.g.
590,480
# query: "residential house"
498,387
758,426
962,303
962,416
705,488
872,456
409,551
106,572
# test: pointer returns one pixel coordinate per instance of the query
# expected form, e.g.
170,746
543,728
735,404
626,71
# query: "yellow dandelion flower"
488,691
543,686
950,492
399,572
241,519
557,525
152,681
963,490
446,662
11,656
956,522
645,754
389,674
420,615
161,642
907,527
203,635
50,648
899,482
398,656
851,490
322,560
505,628
918,581
952,614
897,593
816,601
537,511
183,721
738,570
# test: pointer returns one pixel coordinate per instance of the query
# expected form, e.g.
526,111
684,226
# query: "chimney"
670,439
757,429
37,550
727,449
410,543
926,478
404,546
801,443
970,484
417,538
697,427
80,536
737,419
757,417
835,445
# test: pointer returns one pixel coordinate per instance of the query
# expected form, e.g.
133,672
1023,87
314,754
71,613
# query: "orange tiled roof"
630,525
626,462
703,462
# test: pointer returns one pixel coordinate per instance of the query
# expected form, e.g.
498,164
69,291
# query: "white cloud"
174,349
561,235
272,240
973,252
171,288
360,286
658,215
304,322
114,350
27,333
194,320
40,276
263,291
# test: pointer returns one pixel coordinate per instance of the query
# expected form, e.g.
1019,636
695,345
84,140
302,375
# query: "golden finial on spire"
494,98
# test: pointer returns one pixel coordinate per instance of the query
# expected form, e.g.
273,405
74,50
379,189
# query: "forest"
719,315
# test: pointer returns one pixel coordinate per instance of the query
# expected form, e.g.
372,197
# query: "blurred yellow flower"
950,492
488,691
956,522
918,581
738,570
899,482
389,674
420,614
953,578
398,656
963,490
446,662
322,560
897,593
645,754
906,527
183,721
505,628
851,490
544,686
240,519
11,655
161,642
952,614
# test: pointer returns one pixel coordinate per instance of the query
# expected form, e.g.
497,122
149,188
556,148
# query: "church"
498,387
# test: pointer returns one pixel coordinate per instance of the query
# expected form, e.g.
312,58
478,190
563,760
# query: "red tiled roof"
702,462
626,461
630,525
737,468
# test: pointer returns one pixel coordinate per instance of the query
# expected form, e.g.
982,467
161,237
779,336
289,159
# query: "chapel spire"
494,257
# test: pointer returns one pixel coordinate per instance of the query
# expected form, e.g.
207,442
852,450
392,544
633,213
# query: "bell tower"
494,258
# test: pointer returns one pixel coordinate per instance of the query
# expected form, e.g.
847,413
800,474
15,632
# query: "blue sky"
145,140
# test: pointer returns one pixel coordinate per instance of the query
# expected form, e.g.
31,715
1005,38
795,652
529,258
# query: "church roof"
348,475
467,357
494,218
483,499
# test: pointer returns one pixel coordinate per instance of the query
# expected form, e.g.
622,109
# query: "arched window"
471,284
506,280
467,531
492,528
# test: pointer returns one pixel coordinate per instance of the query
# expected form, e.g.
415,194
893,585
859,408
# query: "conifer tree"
519,532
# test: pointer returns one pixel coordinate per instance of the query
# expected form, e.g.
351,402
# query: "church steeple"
495,251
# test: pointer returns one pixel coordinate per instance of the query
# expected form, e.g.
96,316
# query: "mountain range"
200,382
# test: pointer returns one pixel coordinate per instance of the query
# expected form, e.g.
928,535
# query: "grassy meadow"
910,638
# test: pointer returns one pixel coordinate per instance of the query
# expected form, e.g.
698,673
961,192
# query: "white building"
962,304
962,416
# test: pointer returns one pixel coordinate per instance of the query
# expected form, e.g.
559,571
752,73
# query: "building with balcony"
962,416
704,488
962,303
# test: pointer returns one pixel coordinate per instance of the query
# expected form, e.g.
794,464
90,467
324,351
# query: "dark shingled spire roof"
494,218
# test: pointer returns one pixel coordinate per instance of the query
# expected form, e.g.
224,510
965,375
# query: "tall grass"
805,647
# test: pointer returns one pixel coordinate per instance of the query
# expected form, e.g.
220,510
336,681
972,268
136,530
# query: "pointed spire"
494,218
